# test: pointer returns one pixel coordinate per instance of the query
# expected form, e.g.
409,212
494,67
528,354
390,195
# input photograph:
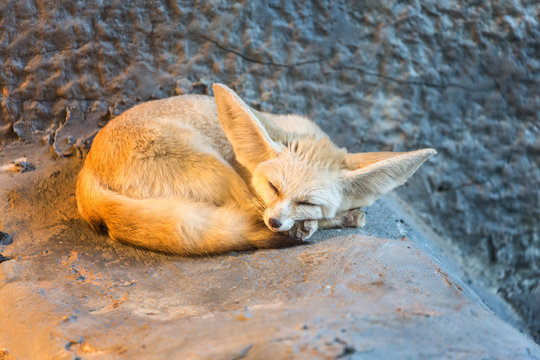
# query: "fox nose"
275,223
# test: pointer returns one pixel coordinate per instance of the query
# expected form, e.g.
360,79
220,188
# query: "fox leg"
302,230
349,218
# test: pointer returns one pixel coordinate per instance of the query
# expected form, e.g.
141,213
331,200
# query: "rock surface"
372,293
462,77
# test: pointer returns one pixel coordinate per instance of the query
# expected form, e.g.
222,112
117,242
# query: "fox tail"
172,225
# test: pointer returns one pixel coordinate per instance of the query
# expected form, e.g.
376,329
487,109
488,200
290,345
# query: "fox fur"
195,175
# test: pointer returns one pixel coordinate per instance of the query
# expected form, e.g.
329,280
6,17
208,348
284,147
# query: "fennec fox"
193,174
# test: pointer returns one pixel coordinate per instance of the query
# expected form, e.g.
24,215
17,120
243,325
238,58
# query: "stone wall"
463,77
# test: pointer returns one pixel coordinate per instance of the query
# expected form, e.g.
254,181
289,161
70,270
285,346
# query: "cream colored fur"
196,175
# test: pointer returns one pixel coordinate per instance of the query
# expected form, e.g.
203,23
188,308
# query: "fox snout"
277,219
274,223
278,225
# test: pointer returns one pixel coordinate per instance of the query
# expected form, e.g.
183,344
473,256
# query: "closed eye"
274,188
305,203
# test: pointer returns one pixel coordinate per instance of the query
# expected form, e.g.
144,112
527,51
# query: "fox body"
193,174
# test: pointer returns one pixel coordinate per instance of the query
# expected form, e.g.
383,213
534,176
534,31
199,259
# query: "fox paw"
354,218
302,230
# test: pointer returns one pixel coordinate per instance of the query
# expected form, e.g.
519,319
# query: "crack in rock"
54,50
358,68
243,353
444,187
250,59
4,258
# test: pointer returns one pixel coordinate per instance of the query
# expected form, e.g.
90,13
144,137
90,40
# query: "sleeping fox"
196,175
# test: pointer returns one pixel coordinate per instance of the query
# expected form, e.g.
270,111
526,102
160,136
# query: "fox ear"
369,175
250,140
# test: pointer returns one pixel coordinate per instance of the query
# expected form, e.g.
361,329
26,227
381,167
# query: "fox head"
304,176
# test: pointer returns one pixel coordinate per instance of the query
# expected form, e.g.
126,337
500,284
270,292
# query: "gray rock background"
463,77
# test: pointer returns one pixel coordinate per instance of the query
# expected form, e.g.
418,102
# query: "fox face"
298,173
293,188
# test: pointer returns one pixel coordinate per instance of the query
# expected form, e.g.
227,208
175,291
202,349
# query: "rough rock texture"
67,293
462,77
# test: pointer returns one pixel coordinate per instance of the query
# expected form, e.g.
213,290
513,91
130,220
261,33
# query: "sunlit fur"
190,175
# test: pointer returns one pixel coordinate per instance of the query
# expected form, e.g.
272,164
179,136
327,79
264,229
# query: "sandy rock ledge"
372,293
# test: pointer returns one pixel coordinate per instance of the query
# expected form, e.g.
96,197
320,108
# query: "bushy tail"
170,225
